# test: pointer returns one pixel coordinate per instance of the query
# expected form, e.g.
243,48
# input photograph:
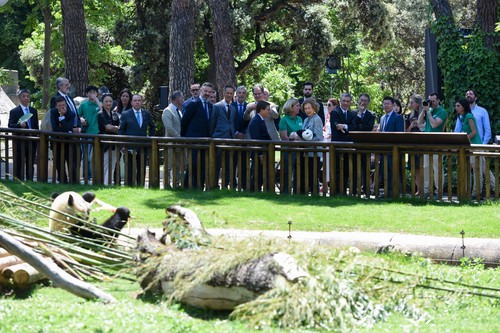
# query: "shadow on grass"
182,196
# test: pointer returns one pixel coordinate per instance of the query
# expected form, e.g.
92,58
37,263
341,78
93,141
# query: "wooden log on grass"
204,276
58,276
22,274
4,253
9,261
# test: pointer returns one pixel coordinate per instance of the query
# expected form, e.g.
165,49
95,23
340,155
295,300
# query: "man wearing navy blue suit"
258,131
136,122
391,121
364,122
196,124
342,121
63,87
24,151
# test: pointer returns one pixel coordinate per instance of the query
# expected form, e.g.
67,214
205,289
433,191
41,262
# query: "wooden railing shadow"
366,169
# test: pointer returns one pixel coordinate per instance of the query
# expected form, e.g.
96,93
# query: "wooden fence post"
97,162
154,165
271,177
43,158
462,175
396,169
212,166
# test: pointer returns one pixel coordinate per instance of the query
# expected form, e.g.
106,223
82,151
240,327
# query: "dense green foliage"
467,64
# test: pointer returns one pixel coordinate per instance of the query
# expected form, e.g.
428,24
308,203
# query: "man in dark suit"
63,87
391,121
241,129
136,122
196,124
258,131
24,151
364,122
194,89
342,121
65,153
224,121
308,93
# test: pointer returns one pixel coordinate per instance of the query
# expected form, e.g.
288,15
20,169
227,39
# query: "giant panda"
70,203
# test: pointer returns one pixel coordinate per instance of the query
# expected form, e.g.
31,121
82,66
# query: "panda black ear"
71,200
88,196
54,195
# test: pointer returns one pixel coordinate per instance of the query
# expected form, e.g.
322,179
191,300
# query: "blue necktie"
206,109
138,116
28,122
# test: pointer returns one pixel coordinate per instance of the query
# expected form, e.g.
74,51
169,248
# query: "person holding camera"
432,119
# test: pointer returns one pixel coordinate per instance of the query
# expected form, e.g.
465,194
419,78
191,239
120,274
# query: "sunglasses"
193,90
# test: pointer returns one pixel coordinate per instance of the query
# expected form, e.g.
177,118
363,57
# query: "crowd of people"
201,115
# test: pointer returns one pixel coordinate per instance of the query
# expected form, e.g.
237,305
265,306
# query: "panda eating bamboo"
69,209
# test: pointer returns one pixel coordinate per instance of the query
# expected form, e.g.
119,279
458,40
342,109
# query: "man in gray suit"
224,122
171,119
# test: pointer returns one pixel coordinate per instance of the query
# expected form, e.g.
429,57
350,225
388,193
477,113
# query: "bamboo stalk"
51,270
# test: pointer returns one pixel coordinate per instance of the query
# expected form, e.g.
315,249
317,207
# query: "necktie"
179,113
386,122
228,113
138,116
72,108
206,109
28,122
240,106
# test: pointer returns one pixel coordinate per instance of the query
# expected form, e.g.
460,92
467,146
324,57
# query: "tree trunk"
486,19
182,38
75,45
442,8
225,73
47,18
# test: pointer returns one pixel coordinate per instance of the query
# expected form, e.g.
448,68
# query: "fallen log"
206,276
58,276
22,274
9,261
4,253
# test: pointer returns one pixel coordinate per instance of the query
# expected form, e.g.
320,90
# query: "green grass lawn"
224,209
45,309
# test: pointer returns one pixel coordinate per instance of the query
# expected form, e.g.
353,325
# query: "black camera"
426,102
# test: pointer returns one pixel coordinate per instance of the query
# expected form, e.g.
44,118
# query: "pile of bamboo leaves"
20,217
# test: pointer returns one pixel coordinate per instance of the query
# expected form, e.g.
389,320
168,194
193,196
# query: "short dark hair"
176,94
389,98
366,95
262,105
438,95
473,91
60,99
90,88
208,84
229,86
23,91
308,83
